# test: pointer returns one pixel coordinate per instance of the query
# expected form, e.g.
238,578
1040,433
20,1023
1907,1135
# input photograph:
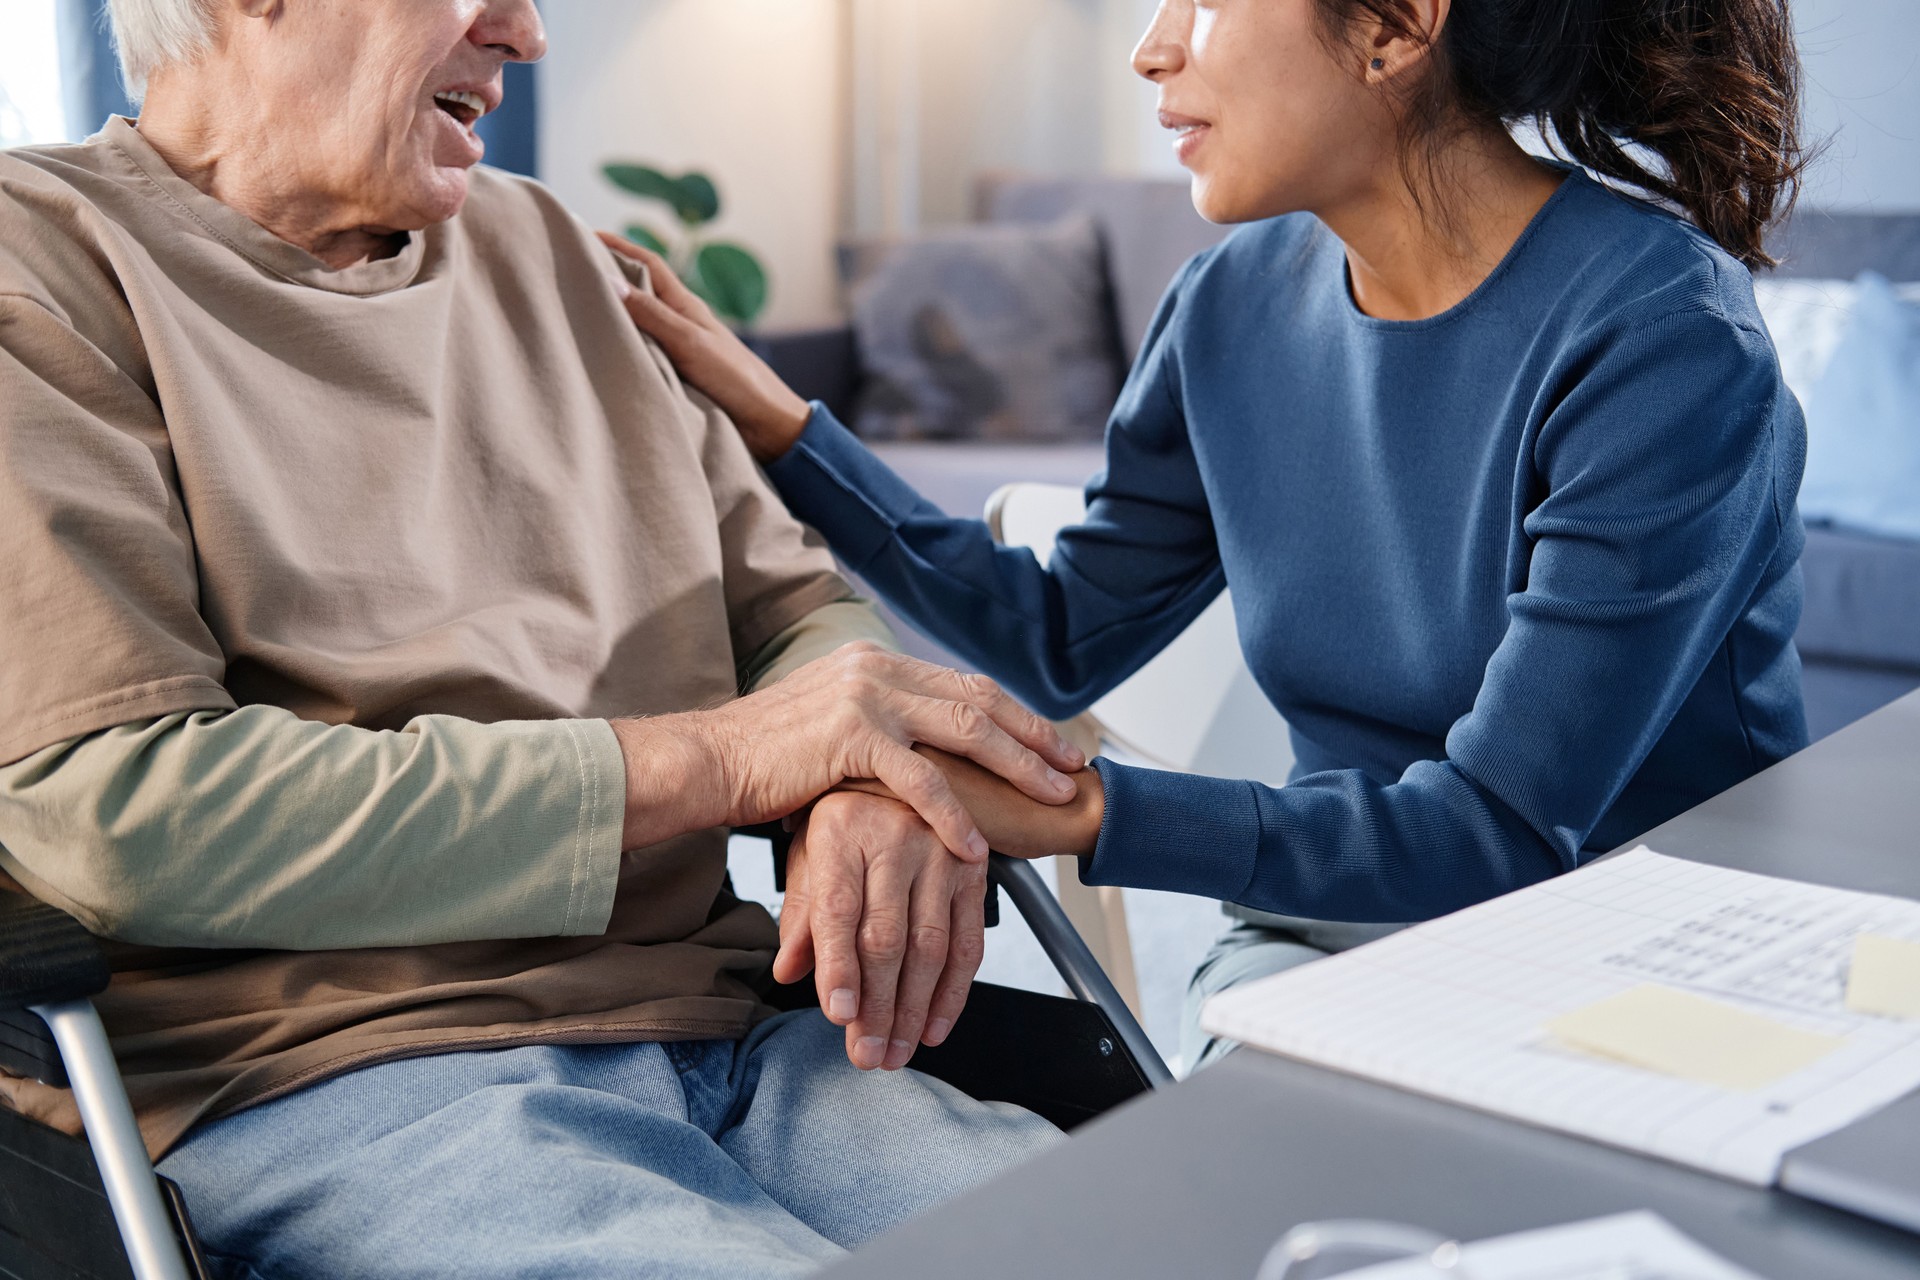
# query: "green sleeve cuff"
602,819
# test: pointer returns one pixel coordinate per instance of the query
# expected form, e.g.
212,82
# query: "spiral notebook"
1571,1004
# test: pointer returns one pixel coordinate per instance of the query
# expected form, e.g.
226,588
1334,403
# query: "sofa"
1859,636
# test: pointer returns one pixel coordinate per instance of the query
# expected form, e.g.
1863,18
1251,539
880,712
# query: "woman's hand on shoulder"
711,358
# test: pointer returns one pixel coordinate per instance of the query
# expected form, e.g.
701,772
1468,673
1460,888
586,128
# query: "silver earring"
1379,64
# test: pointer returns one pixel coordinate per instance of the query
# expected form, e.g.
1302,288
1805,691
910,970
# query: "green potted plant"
727,276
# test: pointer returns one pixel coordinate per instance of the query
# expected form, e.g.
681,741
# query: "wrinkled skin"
317,118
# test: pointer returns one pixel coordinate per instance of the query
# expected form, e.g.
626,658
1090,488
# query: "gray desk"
1199,1180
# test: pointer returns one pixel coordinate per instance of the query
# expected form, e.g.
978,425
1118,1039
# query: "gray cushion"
1863,600
1148,225
984,333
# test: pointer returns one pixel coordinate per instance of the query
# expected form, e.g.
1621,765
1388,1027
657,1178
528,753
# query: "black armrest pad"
45,955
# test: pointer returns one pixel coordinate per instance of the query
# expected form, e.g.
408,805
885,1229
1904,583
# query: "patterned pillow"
984,333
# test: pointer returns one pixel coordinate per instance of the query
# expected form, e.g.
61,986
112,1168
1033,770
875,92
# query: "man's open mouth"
461,105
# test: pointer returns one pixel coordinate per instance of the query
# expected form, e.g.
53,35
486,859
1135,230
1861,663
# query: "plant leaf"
698,288
733,282
642,181
698,201
647,238
694,198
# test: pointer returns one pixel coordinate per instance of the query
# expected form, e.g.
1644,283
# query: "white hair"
149,34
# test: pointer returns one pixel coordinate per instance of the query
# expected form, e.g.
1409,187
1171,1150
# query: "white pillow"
1863,420
1807,319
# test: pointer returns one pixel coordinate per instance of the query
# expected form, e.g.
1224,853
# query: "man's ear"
1392,51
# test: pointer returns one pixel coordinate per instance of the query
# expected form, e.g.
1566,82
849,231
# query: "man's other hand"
891,923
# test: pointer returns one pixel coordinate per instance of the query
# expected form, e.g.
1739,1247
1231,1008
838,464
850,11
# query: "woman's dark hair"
1711,87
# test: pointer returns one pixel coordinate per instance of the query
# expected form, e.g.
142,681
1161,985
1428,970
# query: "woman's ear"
1392,49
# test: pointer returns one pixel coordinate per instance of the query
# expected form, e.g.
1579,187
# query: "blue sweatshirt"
1522,577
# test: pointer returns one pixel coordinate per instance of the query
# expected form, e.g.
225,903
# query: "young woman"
1494,456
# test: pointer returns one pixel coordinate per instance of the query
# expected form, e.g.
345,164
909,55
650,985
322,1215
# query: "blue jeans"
760,1158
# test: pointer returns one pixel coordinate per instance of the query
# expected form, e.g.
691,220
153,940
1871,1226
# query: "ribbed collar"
251,240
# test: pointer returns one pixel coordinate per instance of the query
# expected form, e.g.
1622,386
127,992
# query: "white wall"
1863,91
945,90
747,90
1036,85
31,111
1005,84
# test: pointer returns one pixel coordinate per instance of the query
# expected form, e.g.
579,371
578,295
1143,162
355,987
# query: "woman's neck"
1414,255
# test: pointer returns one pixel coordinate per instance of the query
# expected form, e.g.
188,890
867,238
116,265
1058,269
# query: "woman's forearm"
1118,589
1014,824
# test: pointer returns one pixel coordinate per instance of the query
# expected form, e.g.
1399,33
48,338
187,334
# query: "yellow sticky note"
1885,977
1692,1037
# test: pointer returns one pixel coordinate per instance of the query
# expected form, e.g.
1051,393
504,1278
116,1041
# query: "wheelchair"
92,1208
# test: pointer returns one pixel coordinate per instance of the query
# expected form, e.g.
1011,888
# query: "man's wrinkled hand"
891,924
856,713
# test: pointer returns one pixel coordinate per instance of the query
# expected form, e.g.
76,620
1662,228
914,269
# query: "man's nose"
514,28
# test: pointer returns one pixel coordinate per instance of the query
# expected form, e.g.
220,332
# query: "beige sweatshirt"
449,502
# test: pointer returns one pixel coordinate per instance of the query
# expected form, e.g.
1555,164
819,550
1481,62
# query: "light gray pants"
1256,945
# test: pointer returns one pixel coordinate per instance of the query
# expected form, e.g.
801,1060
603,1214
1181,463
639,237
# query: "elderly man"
373,607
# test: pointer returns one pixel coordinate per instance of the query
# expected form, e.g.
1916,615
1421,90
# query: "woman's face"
1268,114
374,101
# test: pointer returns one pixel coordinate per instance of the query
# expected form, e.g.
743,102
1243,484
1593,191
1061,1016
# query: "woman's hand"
892,925
1011,822
856,713
711,358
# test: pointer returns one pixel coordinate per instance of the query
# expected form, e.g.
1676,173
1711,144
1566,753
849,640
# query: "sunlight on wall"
30,106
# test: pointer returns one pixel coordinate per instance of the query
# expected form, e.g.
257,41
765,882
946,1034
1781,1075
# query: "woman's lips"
1189,133
1188,142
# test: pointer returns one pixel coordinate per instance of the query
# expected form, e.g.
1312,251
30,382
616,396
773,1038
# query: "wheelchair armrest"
50,966
46,956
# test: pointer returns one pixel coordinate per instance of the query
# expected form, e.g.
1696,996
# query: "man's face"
374,101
